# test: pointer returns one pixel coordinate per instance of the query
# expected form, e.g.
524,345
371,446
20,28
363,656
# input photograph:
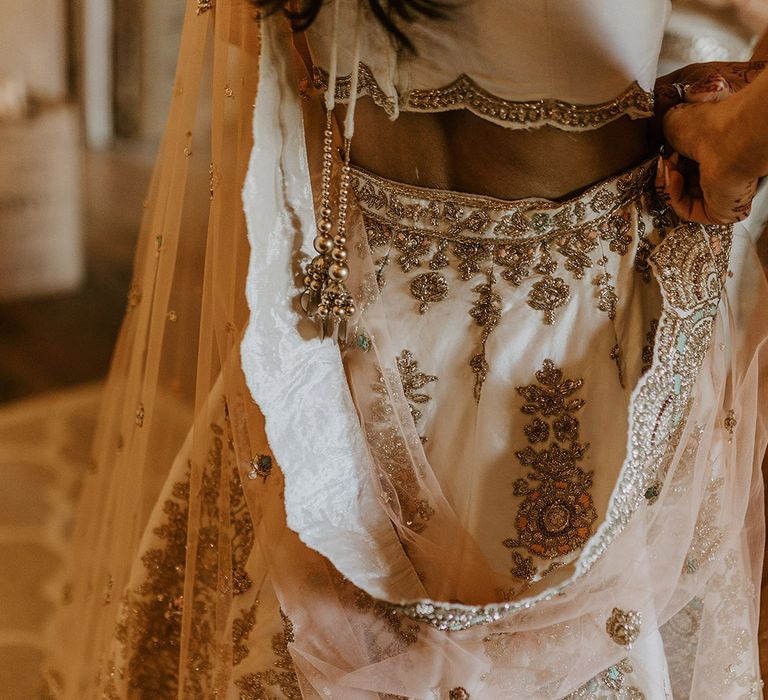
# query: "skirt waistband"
456,215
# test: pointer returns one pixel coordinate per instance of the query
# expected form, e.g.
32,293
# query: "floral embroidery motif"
707,536
400,632
261,467
650,339
388,446
613,679
623,627
681,640
467,94
413,380
149,626
547,295
254,686
429,288
458,694
241,630
486,312
691,263
527,242
730,421
243,537
557,513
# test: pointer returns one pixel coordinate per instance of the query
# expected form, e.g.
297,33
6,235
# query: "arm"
729,142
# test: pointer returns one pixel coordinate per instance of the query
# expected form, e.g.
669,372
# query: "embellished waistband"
456,215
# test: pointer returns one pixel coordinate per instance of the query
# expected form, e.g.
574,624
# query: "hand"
709,185
699,82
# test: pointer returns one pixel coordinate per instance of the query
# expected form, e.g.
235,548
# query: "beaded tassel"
326,298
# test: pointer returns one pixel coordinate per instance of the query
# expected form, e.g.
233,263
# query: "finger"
714,88
680,128
683,204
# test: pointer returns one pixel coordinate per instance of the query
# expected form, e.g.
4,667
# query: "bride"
462,394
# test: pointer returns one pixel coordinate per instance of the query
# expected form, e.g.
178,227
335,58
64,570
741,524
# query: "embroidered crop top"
572,64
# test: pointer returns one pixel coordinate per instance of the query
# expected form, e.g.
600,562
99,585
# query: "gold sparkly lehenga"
532,471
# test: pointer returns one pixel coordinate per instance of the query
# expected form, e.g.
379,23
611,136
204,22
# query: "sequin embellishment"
413,381
556,515
623,626
690,264
465,93
429,288
458,694
486,312
390,451
529,243
613,680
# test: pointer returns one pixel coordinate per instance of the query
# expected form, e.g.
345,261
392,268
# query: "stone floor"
44,452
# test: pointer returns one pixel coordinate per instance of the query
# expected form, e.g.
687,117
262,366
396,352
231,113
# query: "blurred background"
84,90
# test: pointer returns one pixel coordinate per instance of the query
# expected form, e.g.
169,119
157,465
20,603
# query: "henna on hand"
699,82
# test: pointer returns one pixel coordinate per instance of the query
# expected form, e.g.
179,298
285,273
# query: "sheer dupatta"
237,453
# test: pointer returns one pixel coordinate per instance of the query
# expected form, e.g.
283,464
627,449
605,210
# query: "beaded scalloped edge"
465,93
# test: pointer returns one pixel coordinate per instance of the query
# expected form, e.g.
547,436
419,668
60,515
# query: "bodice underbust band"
465,93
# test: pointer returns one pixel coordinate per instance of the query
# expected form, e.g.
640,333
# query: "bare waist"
462,152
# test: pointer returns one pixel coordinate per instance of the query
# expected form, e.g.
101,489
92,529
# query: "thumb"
680,130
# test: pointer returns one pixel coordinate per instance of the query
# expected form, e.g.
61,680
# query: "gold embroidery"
388,447
707,536
366,85
444,229
413,380
557,513
547,295
254,686
149,627
730,421
616,356
429,288
486,311
458,694
691,263
204,6
243,534
623,626
261,467
650,339
467,94
241,630
199,677
613,679
400,635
